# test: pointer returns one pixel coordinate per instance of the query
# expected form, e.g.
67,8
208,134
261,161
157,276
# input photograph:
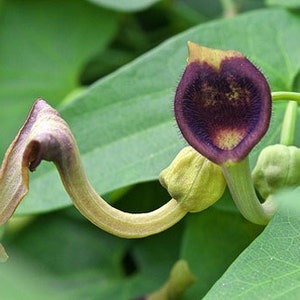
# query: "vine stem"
289,124
293,96
290,117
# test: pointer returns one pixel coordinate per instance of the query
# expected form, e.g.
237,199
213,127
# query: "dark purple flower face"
222,106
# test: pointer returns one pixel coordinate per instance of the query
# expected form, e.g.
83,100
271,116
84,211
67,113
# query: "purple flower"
222,104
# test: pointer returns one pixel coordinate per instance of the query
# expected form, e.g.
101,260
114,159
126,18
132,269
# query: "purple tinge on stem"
222,104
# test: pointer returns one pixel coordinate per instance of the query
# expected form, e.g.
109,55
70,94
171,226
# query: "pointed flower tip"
213,57
222,104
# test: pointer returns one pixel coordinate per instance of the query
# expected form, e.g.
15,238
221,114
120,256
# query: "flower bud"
278,166
194,181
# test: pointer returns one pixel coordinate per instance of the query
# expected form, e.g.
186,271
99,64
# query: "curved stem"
96,209
108,218
239,180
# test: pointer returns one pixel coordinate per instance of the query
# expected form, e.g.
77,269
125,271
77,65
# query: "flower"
222,104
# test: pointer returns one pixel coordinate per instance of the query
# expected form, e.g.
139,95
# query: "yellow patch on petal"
228,138
212,57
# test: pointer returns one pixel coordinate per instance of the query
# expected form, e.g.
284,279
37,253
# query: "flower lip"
222,105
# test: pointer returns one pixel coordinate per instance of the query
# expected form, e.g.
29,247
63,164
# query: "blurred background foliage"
55,50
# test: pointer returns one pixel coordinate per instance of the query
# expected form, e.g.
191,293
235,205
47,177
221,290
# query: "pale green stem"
276,96
230,8
239,181
95,208
108,218
289,123
290,117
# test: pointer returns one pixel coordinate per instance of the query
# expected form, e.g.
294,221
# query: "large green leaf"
124,123
270,267
125,5
44,46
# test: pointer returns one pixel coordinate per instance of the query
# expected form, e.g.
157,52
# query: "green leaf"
285,3
124,123
72,258
44,46
56,236
269,267
125,5
19,280
211,241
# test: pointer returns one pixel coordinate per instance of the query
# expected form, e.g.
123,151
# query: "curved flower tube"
46,136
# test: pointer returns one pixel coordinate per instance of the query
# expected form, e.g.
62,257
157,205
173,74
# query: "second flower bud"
278,166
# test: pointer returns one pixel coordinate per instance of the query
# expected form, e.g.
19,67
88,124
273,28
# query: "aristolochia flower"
222,104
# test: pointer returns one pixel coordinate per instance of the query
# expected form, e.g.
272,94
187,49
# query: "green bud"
193,180
179,281
278,166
